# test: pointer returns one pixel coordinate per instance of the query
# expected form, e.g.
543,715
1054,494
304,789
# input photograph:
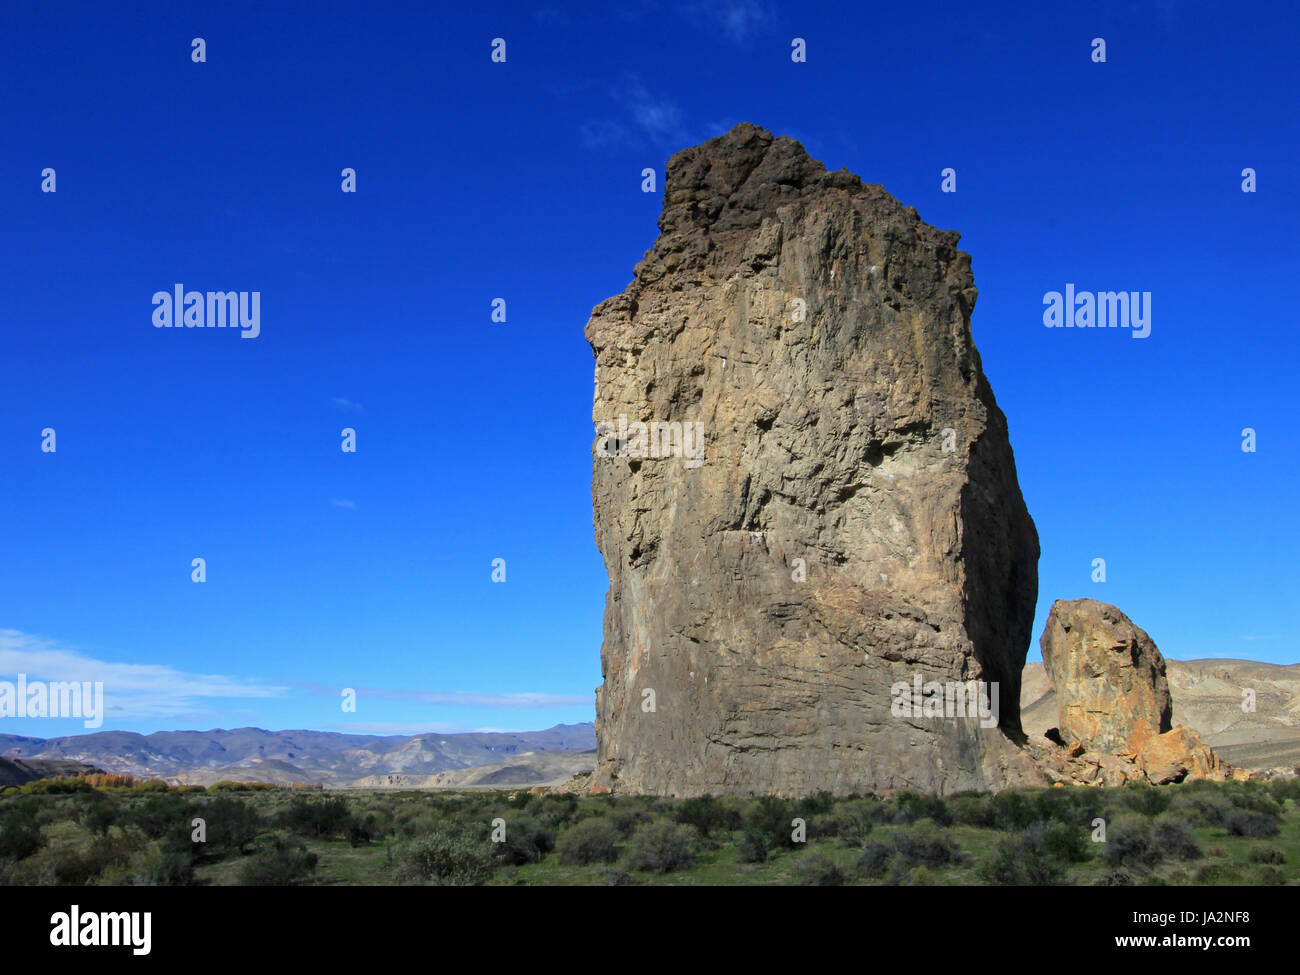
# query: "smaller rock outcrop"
1110,682
1179,754
1114,710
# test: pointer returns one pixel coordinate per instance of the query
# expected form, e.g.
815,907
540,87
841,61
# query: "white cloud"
130,690
343,403
344,503
657,115
648,117
526,700
737,20
409,728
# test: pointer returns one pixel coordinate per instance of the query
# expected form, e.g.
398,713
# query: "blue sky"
521,180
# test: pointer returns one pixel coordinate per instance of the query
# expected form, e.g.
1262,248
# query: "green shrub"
702,812
1176,839
227,786
80,866
853,821
1270,876
361,833
1266,854
159,814
1203,808
20,836
824,826
446,859
1071,807
526,840
874,859
816,869
1146,800
900,872
817,804
554,810
279,864
627,820
321,818
1039,856
1284,789
50,787
972,808
1023,860
1131,842
590,841
912,806
1012,811
1254,798
166,868
100,817
661,846
772,817
231,824
1218,873
752,847
925,844
1257,825
1060,841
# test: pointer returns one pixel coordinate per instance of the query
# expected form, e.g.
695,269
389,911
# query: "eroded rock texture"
1108,676
1113,703
853,520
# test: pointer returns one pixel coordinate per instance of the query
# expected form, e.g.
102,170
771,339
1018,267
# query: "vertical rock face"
1108,675
838,513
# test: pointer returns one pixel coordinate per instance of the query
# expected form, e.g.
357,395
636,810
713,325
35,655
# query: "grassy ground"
1203,834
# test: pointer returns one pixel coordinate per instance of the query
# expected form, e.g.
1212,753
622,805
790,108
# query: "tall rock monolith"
805,496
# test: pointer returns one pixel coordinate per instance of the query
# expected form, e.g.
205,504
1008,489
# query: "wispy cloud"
344,503
655,114
130,690
343,403
414,728
646,117
525,700
736,20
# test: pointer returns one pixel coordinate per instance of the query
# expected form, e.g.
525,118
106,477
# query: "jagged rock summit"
804,494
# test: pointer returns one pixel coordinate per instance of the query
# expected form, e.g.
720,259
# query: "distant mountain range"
1207,695
336,760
